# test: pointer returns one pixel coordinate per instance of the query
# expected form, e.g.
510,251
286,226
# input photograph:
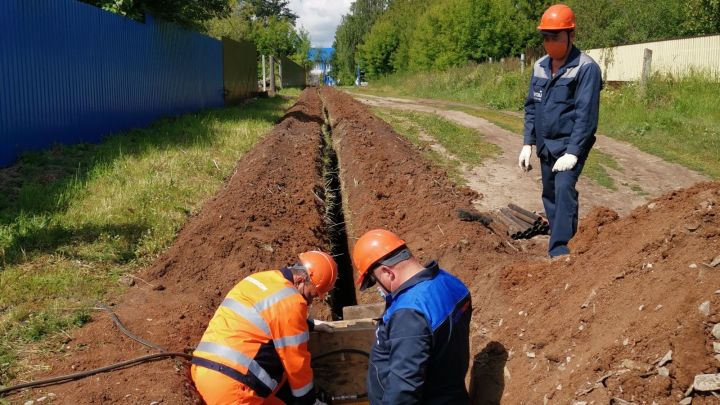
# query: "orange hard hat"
321,268
371,248
556,18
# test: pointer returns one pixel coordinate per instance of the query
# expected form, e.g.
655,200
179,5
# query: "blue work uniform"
561,116
422,347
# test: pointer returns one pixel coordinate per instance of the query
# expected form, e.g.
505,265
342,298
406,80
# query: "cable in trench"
344,293
139,360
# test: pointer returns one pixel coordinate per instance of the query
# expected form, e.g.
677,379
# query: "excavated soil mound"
542,330
590,328
596,327
386,183
269,210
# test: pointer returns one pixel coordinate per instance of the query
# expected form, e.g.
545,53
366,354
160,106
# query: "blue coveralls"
561,116
422,346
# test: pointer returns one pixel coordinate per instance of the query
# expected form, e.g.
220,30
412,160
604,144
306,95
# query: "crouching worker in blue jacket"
422,347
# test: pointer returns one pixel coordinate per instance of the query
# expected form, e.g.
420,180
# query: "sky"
320,18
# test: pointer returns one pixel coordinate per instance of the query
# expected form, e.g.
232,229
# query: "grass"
677,119
73,219
292,92
464,144
596,167
497,85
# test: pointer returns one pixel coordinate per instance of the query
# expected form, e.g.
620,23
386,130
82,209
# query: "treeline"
270,24
389,36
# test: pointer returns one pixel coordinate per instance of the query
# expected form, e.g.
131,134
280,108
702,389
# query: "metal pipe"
524,225
512,226
531,214
526,218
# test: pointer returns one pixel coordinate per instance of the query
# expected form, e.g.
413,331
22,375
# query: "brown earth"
540,303
542,331
266,214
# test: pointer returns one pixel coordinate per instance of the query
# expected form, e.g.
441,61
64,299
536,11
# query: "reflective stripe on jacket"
422,346
561,111
261,331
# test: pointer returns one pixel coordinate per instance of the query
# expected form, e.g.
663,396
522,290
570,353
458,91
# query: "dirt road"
500,181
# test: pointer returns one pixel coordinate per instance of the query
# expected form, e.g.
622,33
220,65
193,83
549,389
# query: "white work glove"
565,163
323,327
524,158
319,402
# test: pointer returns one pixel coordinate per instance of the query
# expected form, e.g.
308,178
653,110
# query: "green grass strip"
73,219
465,144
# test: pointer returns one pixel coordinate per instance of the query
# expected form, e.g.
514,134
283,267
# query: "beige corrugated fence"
677,57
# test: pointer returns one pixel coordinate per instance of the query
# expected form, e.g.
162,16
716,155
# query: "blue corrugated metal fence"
70,72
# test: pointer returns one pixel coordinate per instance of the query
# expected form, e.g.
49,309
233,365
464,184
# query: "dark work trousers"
560,199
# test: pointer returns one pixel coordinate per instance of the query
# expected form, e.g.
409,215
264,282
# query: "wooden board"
364,311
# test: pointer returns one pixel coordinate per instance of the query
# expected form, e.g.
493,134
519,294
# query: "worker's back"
258,333
422,348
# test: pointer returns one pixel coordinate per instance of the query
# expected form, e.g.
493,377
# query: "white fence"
677,57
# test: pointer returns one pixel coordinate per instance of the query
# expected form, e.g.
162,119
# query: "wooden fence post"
647,63
264,77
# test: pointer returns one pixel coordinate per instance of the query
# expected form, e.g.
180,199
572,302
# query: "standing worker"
422,347
254,350
561,117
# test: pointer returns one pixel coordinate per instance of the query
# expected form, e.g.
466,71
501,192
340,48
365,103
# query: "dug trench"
589,329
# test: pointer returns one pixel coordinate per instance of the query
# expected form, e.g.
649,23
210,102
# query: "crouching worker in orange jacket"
255,349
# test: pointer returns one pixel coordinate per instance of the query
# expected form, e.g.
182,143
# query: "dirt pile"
269,210
629,295
386,183
590,328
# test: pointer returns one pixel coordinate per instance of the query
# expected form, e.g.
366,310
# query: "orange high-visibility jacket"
260,331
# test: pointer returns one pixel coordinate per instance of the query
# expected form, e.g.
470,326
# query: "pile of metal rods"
519,223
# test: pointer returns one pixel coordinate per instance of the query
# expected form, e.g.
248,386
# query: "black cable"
125,330
144,359
84,374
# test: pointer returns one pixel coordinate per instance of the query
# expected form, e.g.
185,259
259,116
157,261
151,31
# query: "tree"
385,49
703,17
237,25
187,13
302,49
264,9
605,23
350,33
268,23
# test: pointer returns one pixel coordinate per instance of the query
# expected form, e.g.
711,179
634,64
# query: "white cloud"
320,18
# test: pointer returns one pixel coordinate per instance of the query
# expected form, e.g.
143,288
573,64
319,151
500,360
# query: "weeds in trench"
73,219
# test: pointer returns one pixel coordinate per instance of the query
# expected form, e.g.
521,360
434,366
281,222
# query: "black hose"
84,374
